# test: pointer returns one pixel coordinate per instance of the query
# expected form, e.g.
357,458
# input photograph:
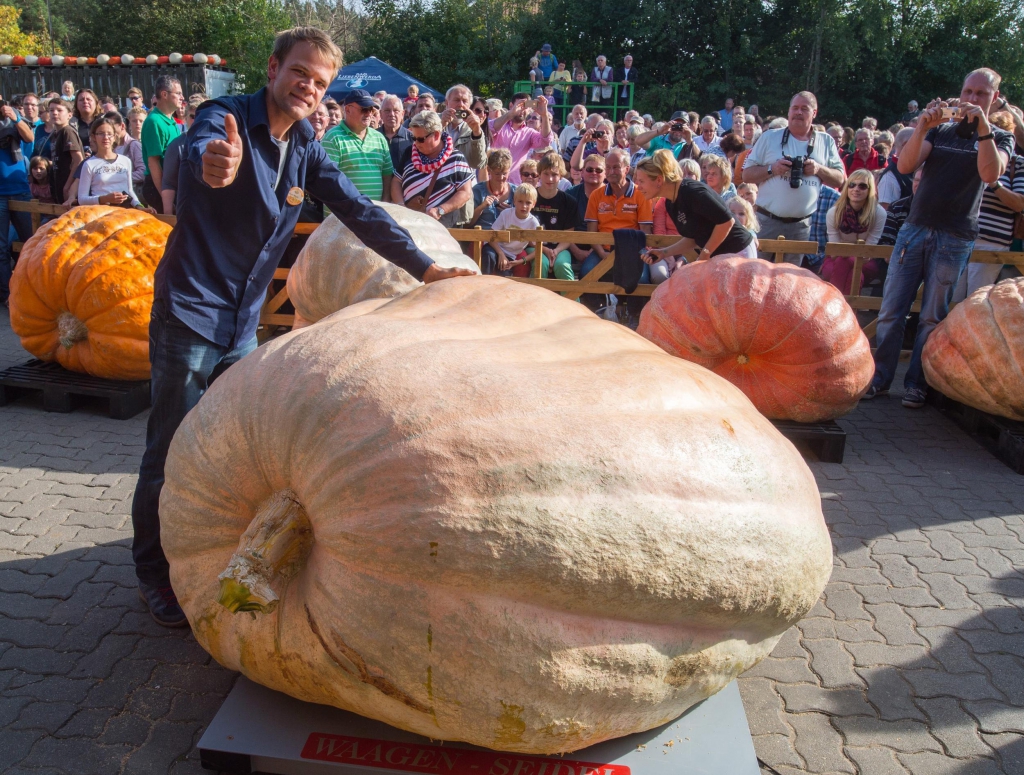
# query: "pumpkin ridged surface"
790,342
976,355
335,269
531,529
82,290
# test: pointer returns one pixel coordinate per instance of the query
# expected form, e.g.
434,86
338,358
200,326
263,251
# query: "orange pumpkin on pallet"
976,355
788,340
82,290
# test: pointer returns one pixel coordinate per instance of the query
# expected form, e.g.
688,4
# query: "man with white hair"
459,121
787,197
602,75
913,111
935,243
392,113
574,126
708,141
893,185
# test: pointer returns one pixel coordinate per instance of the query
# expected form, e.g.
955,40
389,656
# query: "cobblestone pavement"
910,663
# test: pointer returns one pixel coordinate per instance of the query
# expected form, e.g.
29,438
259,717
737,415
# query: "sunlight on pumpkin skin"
790,342
976,355
533,530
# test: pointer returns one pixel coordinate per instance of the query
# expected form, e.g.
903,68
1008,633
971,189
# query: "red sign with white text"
432,759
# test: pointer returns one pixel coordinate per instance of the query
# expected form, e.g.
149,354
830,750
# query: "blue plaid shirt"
819,225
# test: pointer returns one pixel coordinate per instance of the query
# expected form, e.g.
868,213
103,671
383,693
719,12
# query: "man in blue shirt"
240,191
548,62
16,141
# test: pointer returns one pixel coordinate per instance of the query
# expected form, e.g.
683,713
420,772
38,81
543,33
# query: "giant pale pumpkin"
335,269
976,355
478,512
82,290
788,340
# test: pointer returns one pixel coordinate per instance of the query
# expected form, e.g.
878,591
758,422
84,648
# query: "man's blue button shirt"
222,253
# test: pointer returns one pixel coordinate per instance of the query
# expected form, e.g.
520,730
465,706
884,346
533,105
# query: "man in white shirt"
708,141
574,128
786,202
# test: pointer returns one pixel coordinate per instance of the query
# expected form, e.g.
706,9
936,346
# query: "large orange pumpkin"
478,512
82,290
976,355
788,340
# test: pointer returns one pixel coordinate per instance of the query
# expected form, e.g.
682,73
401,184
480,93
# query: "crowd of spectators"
932,185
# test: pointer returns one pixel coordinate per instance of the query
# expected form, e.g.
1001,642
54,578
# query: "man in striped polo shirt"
360,151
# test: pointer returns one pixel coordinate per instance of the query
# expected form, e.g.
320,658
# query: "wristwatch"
440,209
996,186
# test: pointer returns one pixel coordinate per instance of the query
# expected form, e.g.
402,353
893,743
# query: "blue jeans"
22,223
935,258
489,263
184,364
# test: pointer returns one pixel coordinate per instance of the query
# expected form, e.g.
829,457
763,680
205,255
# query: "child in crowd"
747,191
513,255
39,184
744,214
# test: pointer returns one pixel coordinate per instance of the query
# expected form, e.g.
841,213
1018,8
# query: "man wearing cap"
627,75
675,136
548,63
240,195
359,150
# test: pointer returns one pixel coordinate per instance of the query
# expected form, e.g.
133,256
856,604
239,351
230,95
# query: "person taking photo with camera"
510,130
675,135
964,153
789,166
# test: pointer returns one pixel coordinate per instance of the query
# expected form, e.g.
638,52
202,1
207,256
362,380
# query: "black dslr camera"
796,174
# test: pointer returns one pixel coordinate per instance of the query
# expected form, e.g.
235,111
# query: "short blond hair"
286,40
525,191
499,160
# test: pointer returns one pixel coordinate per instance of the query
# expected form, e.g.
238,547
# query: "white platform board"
260,730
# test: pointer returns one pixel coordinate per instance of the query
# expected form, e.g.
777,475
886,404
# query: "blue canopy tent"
373,75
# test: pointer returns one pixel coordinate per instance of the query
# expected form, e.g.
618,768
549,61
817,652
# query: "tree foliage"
863,58
12,39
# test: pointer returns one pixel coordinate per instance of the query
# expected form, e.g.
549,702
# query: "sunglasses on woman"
529,175
420,140
859,186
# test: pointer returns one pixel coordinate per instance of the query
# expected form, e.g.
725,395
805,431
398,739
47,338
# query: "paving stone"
807,698
818,743
876,760
1009,750
874,654
778,749
788,671
950,650
939,683
948,592
40,661
1007,675
15,744
928,763
832,663
954,728
167,743
895,626
845,603
888,691
904,736
996,717
48,716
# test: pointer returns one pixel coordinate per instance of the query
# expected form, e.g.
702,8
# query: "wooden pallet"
825,439
63,389
1003,437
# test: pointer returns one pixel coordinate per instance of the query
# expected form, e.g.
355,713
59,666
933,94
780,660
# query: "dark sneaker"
914,398
163,605
874,392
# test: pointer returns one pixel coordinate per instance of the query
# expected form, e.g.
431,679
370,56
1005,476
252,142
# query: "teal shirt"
662,141
366,162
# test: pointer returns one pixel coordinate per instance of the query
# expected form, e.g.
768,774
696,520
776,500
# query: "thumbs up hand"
223,157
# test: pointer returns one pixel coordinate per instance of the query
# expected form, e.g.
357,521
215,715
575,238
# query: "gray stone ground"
910,663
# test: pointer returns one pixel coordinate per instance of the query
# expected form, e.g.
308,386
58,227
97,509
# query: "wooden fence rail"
277,295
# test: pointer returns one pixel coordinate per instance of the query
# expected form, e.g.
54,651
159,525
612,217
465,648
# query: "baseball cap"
679,115
359,97
546,47
636,120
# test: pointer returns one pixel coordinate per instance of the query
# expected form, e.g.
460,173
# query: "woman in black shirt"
697,212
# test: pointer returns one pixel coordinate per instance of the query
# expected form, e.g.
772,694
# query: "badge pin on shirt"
295,196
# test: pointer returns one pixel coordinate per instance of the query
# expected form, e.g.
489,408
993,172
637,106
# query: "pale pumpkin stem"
274,548
71,330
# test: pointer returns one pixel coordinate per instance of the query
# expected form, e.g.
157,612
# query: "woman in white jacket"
855,216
